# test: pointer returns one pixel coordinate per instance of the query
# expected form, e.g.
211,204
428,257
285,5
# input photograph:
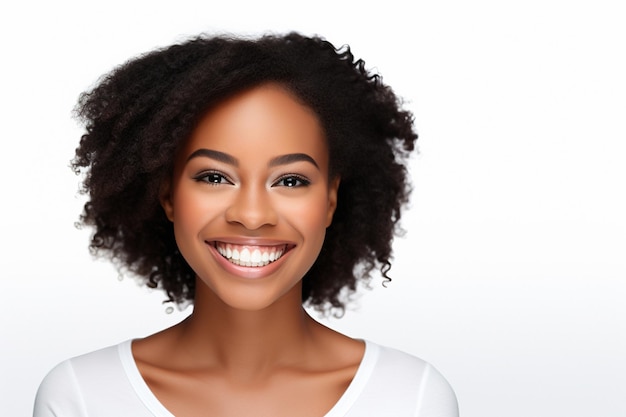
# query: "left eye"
292,181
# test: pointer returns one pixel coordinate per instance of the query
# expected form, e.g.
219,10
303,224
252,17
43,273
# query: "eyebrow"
231,160
290,158
217,155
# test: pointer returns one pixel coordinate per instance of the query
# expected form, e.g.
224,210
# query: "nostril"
252,210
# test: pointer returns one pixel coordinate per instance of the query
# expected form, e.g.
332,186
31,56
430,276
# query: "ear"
165,198
333,188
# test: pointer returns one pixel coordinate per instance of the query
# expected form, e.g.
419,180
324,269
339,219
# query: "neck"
249,341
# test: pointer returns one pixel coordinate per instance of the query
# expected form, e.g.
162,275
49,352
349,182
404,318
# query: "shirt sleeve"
59,394
436,397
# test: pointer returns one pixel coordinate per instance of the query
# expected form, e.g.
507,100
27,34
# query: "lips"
253,256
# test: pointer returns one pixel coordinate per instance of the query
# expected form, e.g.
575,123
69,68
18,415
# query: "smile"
250,256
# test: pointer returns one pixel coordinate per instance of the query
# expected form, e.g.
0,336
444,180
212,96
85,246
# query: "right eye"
213,178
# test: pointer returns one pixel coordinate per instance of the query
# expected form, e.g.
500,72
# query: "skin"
253,175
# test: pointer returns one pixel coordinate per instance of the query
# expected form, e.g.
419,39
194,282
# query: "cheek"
192,210
186,209
310,217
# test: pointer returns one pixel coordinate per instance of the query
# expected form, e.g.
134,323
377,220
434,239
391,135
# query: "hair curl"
138,116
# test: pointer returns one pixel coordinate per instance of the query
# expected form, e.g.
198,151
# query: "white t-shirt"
107,383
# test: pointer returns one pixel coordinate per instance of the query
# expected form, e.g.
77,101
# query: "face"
251,198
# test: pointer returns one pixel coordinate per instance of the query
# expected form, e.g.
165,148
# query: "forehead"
266,120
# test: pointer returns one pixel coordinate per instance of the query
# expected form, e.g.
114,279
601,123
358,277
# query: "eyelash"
303,182
204,177
216,178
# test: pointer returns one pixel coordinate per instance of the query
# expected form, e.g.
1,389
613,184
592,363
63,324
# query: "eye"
291,181
213,178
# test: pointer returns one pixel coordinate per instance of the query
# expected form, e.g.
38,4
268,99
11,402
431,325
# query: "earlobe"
165,198
333,189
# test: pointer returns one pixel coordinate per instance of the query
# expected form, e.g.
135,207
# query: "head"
141,116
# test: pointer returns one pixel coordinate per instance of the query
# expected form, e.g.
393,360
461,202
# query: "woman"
250,177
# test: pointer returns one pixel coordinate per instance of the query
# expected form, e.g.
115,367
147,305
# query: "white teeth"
244,256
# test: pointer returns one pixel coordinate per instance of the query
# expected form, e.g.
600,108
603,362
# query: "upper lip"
246,241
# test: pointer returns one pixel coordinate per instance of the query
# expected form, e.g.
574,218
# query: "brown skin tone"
254,175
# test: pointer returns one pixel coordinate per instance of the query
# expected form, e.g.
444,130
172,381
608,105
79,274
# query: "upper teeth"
250,256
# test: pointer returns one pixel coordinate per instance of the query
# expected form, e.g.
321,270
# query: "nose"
252,208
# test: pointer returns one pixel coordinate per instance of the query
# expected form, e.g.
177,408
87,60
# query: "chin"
250,298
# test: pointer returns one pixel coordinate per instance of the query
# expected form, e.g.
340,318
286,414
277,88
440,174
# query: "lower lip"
246,271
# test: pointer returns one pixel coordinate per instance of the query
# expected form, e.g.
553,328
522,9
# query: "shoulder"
66,389
411,381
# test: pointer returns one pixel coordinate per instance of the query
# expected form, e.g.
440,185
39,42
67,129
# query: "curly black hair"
139,115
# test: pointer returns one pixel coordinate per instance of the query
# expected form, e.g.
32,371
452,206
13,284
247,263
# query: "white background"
511,278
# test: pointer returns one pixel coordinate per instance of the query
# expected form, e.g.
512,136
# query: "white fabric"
107,383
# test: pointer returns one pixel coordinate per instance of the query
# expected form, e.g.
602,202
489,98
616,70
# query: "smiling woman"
252,181
235,174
